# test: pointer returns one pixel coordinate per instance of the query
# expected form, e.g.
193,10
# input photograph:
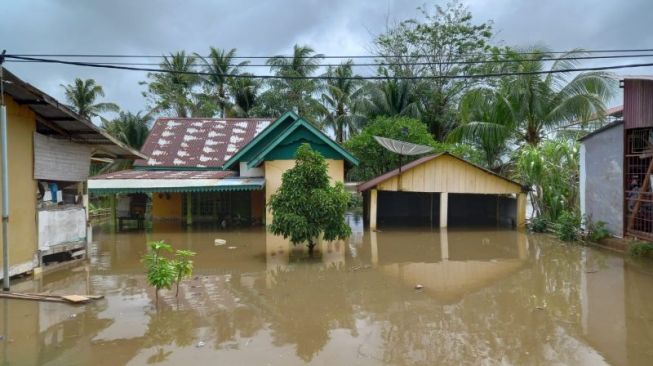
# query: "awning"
139,181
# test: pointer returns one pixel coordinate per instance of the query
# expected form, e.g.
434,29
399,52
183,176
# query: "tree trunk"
311,249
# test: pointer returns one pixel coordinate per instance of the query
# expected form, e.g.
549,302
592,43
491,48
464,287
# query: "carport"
443,190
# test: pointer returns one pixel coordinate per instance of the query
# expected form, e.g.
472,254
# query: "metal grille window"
638,167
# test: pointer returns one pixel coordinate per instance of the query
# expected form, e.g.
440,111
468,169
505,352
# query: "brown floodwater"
488,297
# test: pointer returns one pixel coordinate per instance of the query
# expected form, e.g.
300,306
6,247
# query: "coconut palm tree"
219,64
173,90
82,94
298,92
340,100
129,128
525,107
391,97
244,90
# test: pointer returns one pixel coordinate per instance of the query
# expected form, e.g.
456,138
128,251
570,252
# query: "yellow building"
218,170
443,190
49,152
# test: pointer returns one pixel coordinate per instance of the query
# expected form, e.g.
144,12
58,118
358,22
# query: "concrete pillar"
521,210
373,197
374,248
189,209
444,244
444,208
114,213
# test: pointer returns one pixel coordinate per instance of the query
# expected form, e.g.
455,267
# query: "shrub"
162,272
640,249
567,227
596,231
538,225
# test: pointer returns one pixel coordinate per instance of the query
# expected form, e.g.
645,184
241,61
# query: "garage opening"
482,210
408,208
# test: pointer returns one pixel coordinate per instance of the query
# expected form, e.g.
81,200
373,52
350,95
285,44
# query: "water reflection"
488,297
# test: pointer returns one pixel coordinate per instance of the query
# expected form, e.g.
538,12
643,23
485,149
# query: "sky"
271,27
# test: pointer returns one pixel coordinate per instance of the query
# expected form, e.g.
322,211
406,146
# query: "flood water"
488,297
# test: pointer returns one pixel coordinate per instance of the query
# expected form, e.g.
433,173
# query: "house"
616,163
442,190
219,170
49,152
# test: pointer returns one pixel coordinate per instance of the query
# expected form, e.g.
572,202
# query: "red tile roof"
165,174
198,142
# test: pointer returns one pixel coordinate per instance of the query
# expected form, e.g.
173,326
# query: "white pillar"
444,244
444,208
374,250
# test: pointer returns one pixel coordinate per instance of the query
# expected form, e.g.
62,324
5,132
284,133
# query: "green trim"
302,123
194,168
258,138
243,187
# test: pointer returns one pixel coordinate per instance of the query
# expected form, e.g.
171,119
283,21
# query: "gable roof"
198,142
272,130
393,173
301,123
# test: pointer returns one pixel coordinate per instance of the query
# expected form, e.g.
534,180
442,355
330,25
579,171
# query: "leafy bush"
538,225
162,272
596,231
567,227
640,249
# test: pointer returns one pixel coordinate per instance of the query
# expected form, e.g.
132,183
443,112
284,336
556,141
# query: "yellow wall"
21,124
164,208
274,169
448,174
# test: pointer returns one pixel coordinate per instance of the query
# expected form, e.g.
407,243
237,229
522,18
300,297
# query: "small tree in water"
163,272
306,206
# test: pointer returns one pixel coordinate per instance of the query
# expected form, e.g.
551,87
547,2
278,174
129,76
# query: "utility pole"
5,178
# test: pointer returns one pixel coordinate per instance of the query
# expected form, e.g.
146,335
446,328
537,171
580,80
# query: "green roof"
299,132
266,135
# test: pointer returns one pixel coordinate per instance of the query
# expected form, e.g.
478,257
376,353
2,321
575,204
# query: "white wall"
61,225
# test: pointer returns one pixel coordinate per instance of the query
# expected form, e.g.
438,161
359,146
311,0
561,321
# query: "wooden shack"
443,190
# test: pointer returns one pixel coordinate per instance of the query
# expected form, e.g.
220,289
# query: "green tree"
173,91
220,65
294,94
340,98
445,42
390,98
551,170
160,271
376,160
129,128
306,207
183,265
82,96
244,90
524,108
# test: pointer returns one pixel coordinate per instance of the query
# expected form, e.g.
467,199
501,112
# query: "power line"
82,55
326,77
416,63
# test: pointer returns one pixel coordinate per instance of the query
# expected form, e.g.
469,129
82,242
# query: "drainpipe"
5,181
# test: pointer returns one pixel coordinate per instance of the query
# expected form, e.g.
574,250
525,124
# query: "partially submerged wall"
274,170
21,125
601,178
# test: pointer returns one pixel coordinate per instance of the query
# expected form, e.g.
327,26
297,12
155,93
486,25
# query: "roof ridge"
215,119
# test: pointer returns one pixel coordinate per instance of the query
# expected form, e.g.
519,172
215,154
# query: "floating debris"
220,242
200,344
231,247
419,287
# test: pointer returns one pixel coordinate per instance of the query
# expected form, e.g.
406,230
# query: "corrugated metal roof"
604,128
165,174
65,123
198,142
